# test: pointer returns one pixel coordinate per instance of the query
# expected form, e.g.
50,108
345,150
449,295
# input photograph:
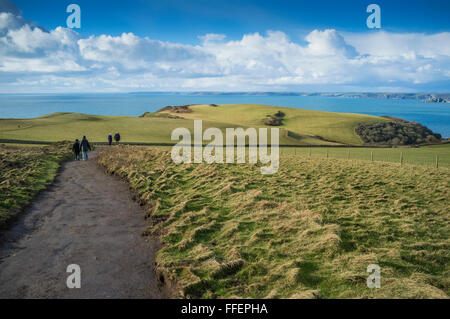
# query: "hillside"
68,126
308,124
309,231
299,127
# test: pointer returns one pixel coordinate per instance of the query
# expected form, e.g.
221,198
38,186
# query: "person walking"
85,147
109,139
117,137
76,149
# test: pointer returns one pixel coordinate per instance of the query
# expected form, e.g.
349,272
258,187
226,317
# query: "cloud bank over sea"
33,59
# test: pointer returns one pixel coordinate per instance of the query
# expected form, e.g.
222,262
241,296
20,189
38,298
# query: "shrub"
274,120
396,132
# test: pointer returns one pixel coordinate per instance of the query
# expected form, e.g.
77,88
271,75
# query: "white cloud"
130,52
382,43
329,43
212,37
32,59
9,21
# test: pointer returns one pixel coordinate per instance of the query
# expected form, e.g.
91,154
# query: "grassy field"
24,171
68,126
328,125
309,231
307,125
425,155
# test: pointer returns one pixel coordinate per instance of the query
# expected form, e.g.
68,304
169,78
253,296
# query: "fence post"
295,151
437,160
327,152
348,154
371,156
310,152
401,158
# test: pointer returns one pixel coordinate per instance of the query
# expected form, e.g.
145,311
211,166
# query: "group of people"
84,147
116,138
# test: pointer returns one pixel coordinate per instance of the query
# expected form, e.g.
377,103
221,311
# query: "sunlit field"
306,125
425,155
309,231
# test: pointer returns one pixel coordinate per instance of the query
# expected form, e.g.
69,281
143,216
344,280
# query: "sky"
199,45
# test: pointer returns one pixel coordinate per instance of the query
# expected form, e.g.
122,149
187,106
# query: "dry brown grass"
309,231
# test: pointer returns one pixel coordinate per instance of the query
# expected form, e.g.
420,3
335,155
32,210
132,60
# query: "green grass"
157,128
309,231
425,155
68,126
24,171
328,125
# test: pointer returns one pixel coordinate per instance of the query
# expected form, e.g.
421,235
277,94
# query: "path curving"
87,218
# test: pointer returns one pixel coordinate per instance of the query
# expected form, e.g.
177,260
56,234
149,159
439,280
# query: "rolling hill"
337,127
300,127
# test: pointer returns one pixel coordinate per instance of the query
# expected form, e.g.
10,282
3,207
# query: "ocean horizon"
435,116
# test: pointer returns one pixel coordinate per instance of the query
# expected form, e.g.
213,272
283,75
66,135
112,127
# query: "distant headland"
425,97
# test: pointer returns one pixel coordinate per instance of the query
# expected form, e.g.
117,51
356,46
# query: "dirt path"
87,218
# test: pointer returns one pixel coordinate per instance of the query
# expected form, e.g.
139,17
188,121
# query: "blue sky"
182,21
143,45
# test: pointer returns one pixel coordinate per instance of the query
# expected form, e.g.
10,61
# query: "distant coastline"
426,97
422,97
435,116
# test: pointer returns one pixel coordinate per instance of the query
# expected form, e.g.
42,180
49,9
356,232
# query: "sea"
435,116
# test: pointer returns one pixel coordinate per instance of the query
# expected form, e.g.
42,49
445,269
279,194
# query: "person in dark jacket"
109,139
117,137
76,149
85,147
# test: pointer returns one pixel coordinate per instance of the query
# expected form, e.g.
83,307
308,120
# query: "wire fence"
432,157
418,156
